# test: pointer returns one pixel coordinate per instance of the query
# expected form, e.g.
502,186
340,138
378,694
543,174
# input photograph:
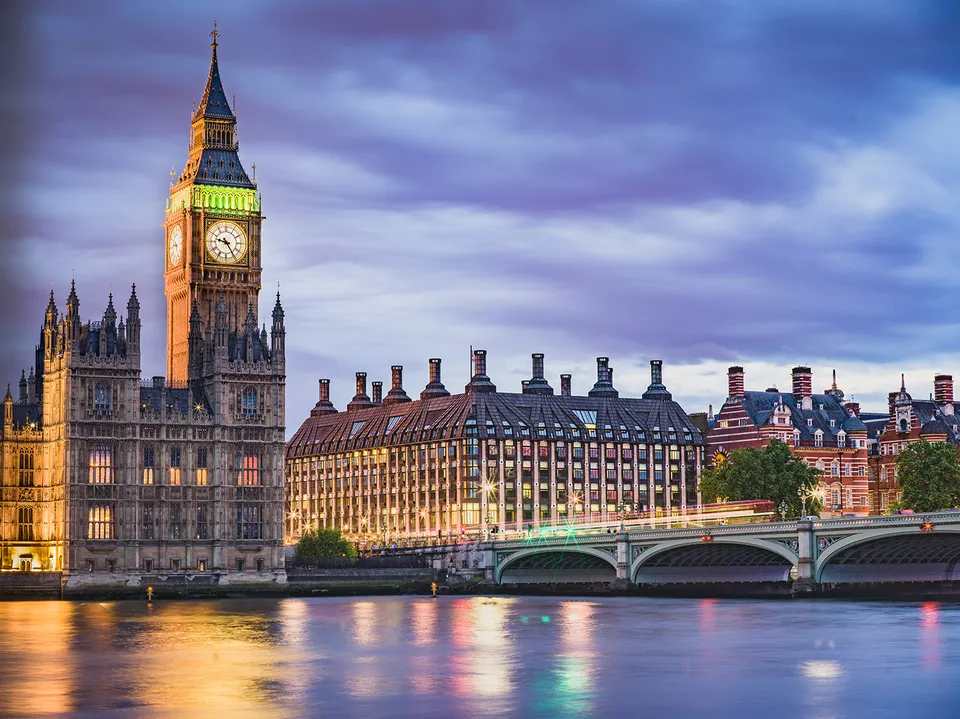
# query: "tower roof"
214,103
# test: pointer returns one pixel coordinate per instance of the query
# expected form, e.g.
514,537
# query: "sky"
756,182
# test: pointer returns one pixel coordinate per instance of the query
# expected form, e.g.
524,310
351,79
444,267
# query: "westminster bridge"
808,554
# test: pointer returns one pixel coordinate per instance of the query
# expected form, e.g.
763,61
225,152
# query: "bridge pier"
805,583
623,561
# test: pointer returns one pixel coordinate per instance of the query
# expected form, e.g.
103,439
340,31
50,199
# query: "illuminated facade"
483,460
110,478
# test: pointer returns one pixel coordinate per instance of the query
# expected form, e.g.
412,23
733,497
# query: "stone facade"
109,478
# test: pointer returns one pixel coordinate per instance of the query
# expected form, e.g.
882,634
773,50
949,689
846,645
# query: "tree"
929,476
321,543
773,473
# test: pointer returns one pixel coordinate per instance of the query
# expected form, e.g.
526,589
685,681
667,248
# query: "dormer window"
841,440
833,423
809,422
796,439
818,439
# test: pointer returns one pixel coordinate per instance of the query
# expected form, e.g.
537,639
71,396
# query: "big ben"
212,228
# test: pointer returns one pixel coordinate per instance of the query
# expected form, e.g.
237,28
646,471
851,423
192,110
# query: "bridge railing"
893,520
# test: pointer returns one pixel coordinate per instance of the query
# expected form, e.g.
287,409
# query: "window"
111,565
147,565
99,521
249,521
175,564
239,565
26,469
248,468
175,525
175,466
201,565
101,397
101,470
202,529
796,439
146,526
248,402
201,467
149,464
393,421
841,440
818,439
25,524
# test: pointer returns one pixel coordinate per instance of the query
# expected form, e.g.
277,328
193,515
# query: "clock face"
226,242
175,246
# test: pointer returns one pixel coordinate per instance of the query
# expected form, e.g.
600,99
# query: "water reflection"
466,657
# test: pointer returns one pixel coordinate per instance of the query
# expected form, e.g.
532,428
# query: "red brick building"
912,420
824,430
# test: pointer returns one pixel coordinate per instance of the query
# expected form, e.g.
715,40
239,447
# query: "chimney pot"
537,366
434,387
479,363
565,385
435,369
324,390
802,382
943,389
735,383
361,383
377,396
397,374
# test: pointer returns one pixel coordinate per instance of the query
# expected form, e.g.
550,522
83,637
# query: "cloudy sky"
762,182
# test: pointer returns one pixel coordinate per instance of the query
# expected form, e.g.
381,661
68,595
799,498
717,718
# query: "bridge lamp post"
621,510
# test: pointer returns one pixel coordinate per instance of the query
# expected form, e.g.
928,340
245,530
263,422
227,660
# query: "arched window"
101,397
903,425
26,468
248,402
101,466
99,521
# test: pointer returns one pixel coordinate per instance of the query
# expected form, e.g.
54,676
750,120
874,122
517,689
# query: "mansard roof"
933,420
760,406
496,415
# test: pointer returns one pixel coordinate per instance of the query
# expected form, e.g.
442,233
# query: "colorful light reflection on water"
479,656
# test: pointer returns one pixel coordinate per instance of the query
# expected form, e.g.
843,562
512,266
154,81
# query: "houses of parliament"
108,477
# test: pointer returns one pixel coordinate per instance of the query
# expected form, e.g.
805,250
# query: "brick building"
822,429
936,419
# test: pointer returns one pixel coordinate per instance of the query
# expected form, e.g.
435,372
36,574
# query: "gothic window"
25,524
175,466
26,469
201,467
248,402
99,521
146,527
903,425
249,521
175,524
149,465
248,468
101,397
202,527
101,467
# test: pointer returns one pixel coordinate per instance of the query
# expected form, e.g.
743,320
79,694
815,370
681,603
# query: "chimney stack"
360,400
891,402
565,385
377,396
735,383
324,406
802,382
943,389
853,408
480,382
656,390
604,385
396,395
537,384
435,387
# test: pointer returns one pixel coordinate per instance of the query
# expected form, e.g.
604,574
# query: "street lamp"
621,509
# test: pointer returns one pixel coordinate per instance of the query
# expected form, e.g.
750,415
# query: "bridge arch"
734,559
548,565
895,554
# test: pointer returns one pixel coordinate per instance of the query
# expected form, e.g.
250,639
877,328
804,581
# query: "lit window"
25,524
175,466
101,469
201,467
248,466
99,521
148,465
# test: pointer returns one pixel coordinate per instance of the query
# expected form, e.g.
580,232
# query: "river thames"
480,657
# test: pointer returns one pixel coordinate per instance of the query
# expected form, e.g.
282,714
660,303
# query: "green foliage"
929,475
773,473
316,544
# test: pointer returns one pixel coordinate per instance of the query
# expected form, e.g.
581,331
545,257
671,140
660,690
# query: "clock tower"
212,228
